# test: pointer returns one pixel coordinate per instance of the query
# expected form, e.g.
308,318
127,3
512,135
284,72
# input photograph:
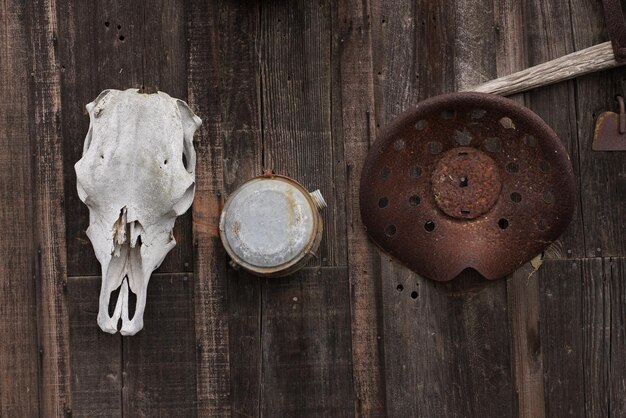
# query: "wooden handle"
589,60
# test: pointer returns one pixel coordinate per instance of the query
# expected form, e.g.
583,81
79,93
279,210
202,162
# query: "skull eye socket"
188,157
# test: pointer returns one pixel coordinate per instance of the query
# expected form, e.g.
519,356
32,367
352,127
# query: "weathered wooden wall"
300,87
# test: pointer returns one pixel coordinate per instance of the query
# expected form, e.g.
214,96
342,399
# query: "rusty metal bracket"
615,27
466,180
610,131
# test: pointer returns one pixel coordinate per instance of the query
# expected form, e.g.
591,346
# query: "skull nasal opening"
132,302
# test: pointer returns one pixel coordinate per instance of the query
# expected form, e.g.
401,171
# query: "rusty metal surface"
466,180
610,130
455,194
615,27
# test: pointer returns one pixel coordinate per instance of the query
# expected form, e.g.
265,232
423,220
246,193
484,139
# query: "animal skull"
136,175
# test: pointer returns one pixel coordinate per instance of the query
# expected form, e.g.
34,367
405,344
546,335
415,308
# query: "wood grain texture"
240,130
423,54
524,311
616,267
583,374
305,319
296,77
49,221
522,286
413,383
561,333
353,45
596,325
307,368
113,45
19,389
211,290
550,38
602,174
159,363
245,350
418,380
148,375
164,49
474,40
97,375
447,374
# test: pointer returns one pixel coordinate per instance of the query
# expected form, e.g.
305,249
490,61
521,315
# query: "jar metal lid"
271,225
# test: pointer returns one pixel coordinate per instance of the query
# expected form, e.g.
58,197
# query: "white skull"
133,179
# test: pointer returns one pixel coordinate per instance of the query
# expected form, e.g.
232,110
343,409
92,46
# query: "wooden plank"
242,150
584,373
522,286
426,362
604,338
617,367
97,376
597,329
603,370
398,72
306,361
482,346
307,369
159,365
240,92
129,45
296,76
474,43
164,52
353,48
19,390
244,323
524,311
460,327
158,368
419,359
602,174
49,221
211,308
550,38
561,333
